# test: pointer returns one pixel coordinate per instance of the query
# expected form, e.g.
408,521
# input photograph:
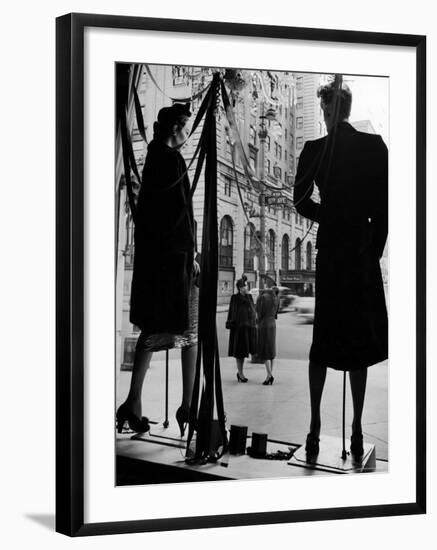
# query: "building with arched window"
238,206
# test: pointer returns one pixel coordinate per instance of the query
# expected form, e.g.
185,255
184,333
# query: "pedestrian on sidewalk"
164,295
267,306
242,324
350,169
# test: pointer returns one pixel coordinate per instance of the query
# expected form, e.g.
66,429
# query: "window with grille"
226,242
129,249
249,247
228,186
271,241
285,252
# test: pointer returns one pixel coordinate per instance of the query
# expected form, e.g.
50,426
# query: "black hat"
169,115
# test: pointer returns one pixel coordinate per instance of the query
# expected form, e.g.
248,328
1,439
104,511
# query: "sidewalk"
281,410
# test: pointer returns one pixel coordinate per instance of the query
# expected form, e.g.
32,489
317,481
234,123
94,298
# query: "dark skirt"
350,320
242,341
266,348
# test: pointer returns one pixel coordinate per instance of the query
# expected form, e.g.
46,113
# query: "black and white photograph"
251,274
218,255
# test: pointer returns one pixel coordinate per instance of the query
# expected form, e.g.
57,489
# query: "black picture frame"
70,273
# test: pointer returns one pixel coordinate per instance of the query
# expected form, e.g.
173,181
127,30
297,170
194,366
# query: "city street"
281,410
293,337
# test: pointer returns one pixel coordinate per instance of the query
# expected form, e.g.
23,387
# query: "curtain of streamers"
207,392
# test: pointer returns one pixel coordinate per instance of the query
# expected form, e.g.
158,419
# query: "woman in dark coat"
242,324
350,169
266,313
164,297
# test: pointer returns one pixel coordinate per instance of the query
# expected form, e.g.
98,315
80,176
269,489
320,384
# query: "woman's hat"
169,115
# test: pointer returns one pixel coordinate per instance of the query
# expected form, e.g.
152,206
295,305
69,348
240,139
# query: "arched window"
309,256
226,242
249,247
271,242
297,255
285,251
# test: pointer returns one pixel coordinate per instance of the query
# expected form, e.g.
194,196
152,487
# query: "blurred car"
304,308
286,296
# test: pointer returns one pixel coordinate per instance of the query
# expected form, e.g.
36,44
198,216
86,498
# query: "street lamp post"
262,134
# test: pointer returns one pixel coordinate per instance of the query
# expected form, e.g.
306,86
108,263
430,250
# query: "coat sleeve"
230,322
276,303
259,308
379,198
304,184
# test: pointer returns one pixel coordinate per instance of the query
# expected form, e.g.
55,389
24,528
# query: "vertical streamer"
208,357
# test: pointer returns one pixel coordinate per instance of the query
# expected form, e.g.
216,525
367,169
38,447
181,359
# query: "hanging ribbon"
126,147
139,116
202,414
178,99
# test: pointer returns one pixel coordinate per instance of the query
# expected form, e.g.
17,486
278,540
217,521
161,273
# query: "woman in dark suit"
350,169
266,313
242,324
164,298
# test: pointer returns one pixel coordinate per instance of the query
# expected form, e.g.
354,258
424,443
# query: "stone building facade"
289,239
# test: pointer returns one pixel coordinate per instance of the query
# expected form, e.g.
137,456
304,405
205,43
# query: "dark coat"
350,169
266,312
164,244
242,324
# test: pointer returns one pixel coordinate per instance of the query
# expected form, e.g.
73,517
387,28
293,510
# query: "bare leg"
141,365
317,377
240,363
188,359
358,379
268,365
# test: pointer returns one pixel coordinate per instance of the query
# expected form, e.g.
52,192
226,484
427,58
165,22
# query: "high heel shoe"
312,445
137,424
182,417
241,378
357,449
268,381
